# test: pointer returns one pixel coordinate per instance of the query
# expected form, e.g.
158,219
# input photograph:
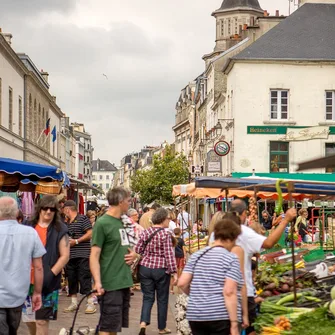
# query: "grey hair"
8,208
238,206
131,211
160,215
117,195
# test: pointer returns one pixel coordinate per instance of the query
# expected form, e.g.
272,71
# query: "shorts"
180,263
114,309
78,271
252,312
49,308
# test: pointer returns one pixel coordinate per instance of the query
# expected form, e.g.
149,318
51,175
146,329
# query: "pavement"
65,319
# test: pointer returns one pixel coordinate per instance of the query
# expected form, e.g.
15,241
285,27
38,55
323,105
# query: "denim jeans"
10,320
154,281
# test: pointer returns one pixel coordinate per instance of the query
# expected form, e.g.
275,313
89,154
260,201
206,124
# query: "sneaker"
90,309
72,308
95,300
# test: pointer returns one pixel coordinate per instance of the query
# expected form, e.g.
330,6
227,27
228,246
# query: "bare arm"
86,237
38,275
184,282
64,255
274,237
95,267
230,295
238,251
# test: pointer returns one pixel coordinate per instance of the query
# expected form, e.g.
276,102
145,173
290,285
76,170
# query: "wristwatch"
77,242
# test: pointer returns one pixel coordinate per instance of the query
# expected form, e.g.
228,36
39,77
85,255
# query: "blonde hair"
218,216
302,211
257,227
91,213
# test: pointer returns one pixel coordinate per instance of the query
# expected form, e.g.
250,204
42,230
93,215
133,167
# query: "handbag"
134,267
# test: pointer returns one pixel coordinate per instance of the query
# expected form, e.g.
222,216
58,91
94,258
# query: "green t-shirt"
111,237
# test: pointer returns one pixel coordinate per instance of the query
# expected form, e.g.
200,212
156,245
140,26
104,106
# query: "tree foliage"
156,184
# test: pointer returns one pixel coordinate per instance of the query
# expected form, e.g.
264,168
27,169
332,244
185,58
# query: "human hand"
290,214
130,257
72,242
98,287
234,330
36,301
175,279
245,322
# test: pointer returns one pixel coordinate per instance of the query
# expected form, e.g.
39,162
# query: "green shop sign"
277,130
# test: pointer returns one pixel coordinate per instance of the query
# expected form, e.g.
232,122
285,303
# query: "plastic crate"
315,255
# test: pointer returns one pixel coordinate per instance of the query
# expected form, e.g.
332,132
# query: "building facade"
84,152
289,115
103,173
12,99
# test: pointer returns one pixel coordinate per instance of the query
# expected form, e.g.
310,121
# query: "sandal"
165,331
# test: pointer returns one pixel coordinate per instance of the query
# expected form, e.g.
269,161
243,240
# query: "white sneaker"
90,309
72,308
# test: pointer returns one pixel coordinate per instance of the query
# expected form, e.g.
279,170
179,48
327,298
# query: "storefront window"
279,157
330,151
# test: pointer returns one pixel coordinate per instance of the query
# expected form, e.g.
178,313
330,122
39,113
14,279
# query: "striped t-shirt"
78,228
206,301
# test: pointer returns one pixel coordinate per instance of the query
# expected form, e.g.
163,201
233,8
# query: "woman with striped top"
213,281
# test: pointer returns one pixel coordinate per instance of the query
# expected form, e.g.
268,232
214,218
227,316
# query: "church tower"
231,18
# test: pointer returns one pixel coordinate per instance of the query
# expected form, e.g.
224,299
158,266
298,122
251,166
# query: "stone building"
103,173
12,99
40,106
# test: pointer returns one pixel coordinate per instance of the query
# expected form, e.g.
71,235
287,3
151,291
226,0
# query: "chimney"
45,76
266,13
8,37
277,12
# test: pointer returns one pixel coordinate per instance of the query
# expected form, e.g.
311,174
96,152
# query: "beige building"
40,106
12,121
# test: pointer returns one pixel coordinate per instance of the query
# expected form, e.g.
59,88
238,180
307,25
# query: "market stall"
296,284
23,176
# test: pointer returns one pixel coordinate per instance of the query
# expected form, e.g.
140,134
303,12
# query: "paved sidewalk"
65,319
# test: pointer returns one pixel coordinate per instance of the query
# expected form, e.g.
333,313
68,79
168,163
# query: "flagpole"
45,140
40,136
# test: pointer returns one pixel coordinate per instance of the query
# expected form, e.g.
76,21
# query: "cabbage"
332,293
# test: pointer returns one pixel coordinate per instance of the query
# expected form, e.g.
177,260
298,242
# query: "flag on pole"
47,127
54,134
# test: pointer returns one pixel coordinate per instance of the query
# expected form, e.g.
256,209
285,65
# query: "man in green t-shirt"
109,262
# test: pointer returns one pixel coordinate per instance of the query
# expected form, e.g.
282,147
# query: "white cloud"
149,50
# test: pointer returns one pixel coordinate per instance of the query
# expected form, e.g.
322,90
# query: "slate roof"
229,4
307,34
103,166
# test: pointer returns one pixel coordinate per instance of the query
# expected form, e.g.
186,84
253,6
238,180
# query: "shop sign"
213,162
222,148
305,134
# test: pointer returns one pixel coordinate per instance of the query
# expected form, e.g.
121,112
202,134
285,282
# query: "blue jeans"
152,281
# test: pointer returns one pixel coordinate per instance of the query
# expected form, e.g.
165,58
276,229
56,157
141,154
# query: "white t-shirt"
184,220
251,243
172,227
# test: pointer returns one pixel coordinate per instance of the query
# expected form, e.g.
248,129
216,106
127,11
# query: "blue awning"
267,185
31,171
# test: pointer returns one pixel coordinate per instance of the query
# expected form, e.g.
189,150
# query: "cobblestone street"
65,319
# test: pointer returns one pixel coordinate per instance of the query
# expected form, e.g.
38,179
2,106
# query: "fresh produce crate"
315,255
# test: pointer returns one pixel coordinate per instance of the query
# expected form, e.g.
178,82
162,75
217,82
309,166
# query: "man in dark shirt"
78,268
266,220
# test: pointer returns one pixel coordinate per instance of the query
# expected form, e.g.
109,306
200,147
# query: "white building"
103,174
279,87
12,73
85,149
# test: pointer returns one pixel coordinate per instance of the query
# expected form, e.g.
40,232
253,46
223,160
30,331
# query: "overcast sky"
149,49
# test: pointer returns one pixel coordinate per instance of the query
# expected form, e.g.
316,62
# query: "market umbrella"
324,162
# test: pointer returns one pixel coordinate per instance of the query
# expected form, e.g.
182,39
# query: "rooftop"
307,34
233,4
103,165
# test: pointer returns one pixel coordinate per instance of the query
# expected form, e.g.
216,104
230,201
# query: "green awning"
323,177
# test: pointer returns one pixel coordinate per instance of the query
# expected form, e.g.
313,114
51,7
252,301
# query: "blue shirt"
206,302
18,246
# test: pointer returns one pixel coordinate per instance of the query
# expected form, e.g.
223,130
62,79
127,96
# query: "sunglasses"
52,209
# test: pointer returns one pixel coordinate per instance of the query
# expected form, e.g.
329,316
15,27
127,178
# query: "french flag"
47,128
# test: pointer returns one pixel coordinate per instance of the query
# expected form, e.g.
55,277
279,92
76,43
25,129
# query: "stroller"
81,330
